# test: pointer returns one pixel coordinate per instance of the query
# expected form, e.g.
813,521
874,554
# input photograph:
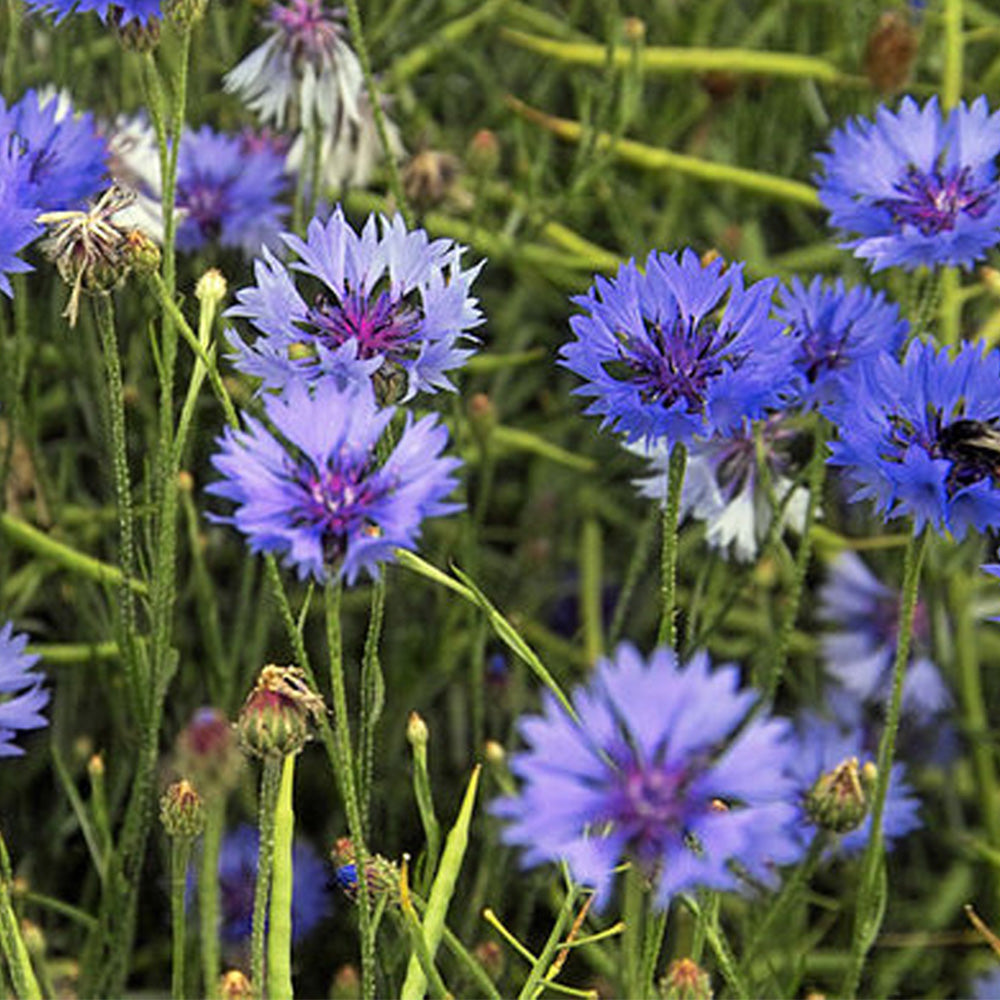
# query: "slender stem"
816,476
656,929
632,913
279,927
392,168
977,724
372,698
208,893
180,856
12,943
951,83
668,571
135,676
348,783
269,785
870,902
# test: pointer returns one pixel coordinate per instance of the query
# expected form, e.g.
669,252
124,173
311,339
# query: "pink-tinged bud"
207,751
684,980
483,154
182,811
275,718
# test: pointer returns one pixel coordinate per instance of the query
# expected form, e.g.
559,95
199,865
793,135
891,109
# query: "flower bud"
840,798
490,956
634,30
235,986
381,874
134,36
211,287
207,751
683,980
141,253
482,417
889,54
185,13
417,732
182,811
483,154
275,718
346,984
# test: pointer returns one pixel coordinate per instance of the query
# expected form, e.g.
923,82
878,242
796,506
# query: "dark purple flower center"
381,324
679,364
823,351
310,31
651,806
338,499
933,201
206,204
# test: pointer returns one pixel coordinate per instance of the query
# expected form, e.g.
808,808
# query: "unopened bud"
141,252
211,287
185,13
684,980
346,984
234,985
429,177
417,732
889,54
494,752
482,417
275,718
840,798
34,938
381,874
95,766
490,956
207,751
634,30
182,811
483,154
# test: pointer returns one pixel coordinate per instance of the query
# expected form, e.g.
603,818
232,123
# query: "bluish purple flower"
822,746
860,648
237,876
835,328
723,487
228,190
916,187
305,71
910,437
662,770
392,303
66,157
22,696
314,490
987,986
17,211
121,12
678,350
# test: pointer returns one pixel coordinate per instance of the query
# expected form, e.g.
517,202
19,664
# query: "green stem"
348,784
870,903
656,930
590,588
951,83
633,910
279,928
180,856
269,785
816,476
977,723
135,676
535,983
667,634
208,893
11,942
372,698
392,168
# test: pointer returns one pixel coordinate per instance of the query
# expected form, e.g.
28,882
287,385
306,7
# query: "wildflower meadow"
499,498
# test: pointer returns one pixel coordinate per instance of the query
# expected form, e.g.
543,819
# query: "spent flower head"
305,74
918,436
22,696
916,187
679,349
313,489
386,303
663,770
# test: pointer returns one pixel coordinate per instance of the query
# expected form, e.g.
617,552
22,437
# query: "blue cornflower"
66,157
22,696
987,986
662,770
823,745
910,436
316,493
860,648
835,328
723,486
237,876
678,349
395,304
916,187
17,211
120,12
305,71
228,190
